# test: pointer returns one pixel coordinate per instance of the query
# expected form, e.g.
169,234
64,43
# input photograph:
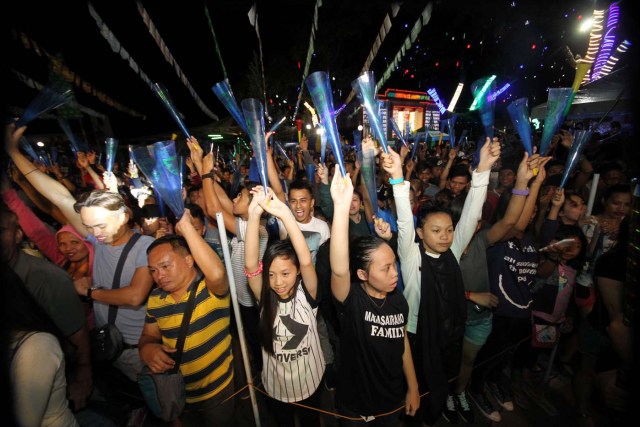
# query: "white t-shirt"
315,232
245,296
295,370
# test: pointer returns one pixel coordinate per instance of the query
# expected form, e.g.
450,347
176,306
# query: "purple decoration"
364,87
519,114
253,113
223,91
46,100
580,140
557,102
111,145
319,87
163,95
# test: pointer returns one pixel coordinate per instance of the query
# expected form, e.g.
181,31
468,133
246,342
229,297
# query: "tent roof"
596,98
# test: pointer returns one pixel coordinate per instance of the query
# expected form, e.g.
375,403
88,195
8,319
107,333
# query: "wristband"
207,175
394,181
255,273
90,291
520,192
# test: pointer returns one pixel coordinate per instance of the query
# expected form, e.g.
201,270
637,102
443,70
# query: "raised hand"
489,154
323,173
341,191
274,206
367,144
558,198
185,221
110,181
207,163
382,228
258,196
392,164
196,153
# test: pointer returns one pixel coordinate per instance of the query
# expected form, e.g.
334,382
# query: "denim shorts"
477,331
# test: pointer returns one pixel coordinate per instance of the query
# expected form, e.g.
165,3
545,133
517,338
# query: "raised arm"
531,201
516,204
277,208
273,175
212,196
252,242
445,172
341,193
205,257
472,210
55,192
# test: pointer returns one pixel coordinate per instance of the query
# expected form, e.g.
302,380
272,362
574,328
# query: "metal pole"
236,312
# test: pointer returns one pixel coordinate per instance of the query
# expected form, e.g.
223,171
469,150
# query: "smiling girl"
293,364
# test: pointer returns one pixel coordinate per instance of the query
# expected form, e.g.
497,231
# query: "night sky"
524,43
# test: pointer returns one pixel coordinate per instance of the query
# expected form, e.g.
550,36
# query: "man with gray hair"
101,217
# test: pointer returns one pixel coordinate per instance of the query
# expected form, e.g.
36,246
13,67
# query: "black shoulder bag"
165,392
107,343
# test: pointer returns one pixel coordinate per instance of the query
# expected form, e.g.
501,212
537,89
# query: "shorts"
477,331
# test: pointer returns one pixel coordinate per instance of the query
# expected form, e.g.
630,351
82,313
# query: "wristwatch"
90,290
207,175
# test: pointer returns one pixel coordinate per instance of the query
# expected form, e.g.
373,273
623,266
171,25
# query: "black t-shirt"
371,378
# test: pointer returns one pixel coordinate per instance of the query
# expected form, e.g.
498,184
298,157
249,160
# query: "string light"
608,41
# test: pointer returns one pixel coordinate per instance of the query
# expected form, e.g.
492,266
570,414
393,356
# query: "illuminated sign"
404,94
434,95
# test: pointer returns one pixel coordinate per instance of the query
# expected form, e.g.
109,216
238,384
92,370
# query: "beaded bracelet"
394,181
255,273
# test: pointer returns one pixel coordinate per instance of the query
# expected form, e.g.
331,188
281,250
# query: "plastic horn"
111,148
281,151
364,86
223,91
310,168
485,105
414,150
163,95
592,193
369,175
557,102
42,157
357,142
277,124
582,68
46,100
464,134
144,158
319,87
396,130
73,140
323,145
450,124
519,114
162,207
299,127
253,113
28,148
580,140
166,166
54,155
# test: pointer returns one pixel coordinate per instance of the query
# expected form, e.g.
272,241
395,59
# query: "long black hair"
268,298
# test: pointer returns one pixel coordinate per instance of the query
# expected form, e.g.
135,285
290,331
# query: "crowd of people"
441,294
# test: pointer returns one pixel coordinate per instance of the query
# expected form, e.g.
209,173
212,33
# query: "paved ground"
556,409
